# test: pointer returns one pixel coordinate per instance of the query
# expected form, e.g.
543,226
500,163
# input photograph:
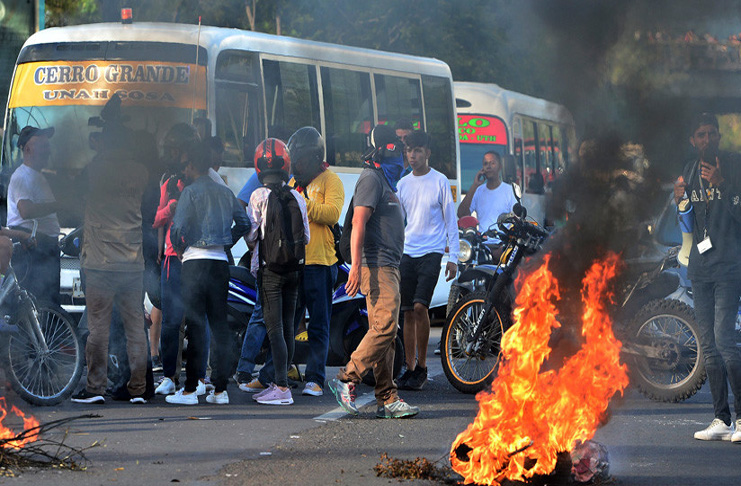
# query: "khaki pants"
376,351
102,289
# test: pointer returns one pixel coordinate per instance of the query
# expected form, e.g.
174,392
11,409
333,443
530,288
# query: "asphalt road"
314,443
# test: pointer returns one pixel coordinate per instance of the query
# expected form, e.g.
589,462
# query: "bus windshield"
478,135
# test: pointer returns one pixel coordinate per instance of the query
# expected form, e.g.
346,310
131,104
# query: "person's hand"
28,243
450,270
352,286
173,206
180,254
479,179
711,173
679,189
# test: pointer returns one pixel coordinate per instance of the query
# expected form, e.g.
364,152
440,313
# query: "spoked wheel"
670,368
44,372
470,365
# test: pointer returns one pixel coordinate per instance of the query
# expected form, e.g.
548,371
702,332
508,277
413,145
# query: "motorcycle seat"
242,274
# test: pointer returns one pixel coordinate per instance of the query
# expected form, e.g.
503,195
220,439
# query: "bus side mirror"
509,169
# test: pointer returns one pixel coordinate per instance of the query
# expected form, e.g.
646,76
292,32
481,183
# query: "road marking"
362,401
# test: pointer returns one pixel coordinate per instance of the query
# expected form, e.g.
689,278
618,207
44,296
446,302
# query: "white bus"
249,85
538,134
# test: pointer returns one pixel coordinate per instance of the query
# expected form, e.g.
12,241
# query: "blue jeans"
716,309
173,312
254,336
315,295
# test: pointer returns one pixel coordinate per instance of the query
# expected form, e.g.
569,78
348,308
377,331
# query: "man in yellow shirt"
325,196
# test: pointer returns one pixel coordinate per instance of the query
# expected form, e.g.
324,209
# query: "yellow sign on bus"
158,84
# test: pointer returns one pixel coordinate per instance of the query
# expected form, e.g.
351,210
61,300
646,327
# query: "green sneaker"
397,409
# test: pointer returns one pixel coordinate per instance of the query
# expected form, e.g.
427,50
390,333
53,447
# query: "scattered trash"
419,468
200,418
295,437
590,461
119,469
266,453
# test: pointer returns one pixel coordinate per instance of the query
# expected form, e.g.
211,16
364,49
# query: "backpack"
282,247
344,241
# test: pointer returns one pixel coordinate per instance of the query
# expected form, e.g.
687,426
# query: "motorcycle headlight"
466,251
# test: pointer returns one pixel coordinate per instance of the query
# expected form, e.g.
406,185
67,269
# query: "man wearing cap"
30,197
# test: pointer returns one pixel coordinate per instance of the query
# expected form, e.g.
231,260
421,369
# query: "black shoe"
242,377
417,380
156,364
402,380
84,396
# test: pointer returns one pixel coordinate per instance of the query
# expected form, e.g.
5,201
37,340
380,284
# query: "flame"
531,415
29,423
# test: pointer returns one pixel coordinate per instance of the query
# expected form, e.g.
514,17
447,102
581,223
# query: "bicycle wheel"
44,375
470,366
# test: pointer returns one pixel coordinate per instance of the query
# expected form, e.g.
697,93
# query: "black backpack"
282,247
343,245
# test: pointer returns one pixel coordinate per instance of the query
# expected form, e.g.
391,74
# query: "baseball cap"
29,131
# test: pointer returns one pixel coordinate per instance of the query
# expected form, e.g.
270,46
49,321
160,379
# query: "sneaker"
416,380
201,388
401,381
138,400
717,430
397,409
294,374
242,377
345,395
736,437
84,396
167,387
313,389
182,398
263,392
156,364
252,386
276,396
218,398
209,386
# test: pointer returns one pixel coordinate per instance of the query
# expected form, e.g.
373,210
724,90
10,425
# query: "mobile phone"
481,177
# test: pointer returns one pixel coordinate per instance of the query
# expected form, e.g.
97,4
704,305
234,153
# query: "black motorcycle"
472,335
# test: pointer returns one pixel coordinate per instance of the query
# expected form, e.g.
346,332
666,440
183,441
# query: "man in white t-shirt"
428,206
488,200
30,197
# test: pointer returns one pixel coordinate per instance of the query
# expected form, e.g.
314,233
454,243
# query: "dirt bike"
473,330
39,347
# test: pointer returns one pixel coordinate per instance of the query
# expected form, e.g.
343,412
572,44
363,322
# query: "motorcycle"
348,324
40,349
473,330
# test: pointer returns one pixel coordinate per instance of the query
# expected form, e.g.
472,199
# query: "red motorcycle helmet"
272,158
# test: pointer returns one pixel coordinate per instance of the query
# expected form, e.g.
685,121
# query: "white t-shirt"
215,176
488,204
205,253
429,210
30,184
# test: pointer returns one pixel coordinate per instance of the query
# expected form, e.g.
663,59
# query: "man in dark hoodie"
376,246
710,187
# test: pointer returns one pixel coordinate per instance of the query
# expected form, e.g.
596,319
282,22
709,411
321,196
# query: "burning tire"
45,373
666,362
470,362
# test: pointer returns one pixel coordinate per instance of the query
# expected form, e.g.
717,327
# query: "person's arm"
165,209
729,186
360,217
242,223
30,210
304,216
465,207
451,229
327,212
181,222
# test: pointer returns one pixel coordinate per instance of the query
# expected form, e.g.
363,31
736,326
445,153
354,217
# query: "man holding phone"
488,196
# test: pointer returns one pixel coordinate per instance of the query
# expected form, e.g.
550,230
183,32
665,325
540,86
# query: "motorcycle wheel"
670,327
45,377
471,371
453,297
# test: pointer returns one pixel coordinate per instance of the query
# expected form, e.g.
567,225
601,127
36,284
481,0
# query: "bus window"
479,134
532,154
237,106
440,116
348,115
517,149
398,98
291,97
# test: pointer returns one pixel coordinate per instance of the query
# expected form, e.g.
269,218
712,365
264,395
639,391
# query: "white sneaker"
736,437
717,430
313,389
182,398
218,398
201,388
167,387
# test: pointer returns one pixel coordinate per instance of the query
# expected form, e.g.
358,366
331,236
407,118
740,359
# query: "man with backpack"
201,232
280,229
376,246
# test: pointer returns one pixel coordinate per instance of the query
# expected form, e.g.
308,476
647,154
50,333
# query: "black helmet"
306,145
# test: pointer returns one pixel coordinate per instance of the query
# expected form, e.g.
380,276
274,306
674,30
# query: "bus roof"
491,99
219,38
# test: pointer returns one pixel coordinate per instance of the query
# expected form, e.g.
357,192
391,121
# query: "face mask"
393,168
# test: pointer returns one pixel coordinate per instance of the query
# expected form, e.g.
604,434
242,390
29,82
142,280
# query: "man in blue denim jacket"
201,231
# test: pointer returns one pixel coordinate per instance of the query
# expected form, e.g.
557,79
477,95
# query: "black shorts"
418,279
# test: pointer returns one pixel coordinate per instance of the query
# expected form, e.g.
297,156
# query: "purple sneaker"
276,396
345,395
263,392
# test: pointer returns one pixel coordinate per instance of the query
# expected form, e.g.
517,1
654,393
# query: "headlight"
466,251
